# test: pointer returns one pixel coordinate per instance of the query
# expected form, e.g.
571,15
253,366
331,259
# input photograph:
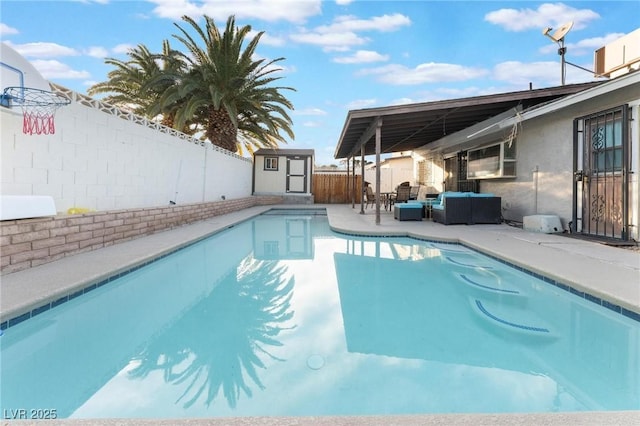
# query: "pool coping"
551,256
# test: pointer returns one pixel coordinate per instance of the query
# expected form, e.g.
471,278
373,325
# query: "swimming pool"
281,316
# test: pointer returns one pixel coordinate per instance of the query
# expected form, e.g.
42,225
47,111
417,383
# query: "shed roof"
271,151
408,127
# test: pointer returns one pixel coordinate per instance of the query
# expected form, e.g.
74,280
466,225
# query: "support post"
378,144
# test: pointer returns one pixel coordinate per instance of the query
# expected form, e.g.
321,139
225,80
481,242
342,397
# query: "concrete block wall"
31,242
102,158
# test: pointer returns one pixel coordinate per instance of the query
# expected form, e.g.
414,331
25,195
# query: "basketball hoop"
38,108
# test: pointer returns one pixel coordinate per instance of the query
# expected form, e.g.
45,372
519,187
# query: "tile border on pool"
582,294
78,292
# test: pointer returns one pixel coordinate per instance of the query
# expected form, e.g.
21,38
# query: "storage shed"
286,172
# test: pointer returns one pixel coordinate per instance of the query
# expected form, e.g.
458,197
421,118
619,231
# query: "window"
271,163
605,138
494,161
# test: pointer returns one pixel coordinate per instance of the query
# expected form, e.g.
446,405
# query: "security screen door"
601,191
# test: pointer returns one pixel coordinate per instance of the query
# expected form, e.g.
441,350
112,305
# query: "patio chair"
370,195
403,192
414,192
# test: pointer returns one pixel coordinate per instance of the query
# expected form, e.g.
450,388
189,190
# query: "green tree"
137,84
226,91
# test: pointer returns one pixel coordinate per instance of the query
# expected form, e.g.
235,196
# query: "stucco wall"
544,172
544,182
101,158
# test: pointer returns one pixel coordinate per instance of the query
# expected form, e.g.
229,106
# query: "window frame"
268,164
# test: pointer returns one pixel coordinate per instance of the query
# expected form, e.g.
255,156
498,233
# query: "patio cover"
376,131
407,127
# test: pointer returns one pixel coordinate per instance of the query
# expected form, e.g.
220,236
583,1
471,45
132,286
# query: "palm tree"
137,84
227,92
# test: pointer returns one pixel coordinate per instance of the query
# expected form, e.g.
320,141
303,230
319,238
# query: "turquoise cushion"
408,205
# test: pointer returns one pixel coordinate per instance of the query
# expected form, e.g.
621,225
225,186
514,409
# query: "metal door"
601,165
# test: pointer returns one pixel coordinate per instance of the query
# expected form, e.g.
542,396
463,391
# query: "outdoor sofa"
466,208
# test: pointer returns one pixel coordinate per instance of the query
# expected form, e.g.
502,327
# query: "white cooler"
544,223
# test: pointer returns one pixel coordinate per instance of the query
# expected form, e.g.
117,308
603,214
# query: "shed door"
296,174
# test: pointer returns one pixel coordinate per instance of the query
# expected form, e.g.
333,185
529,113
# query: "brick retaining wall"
31,242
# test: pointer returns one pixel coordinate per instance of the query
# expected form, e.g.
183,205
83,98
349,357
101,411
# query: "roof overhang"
408,127
500,126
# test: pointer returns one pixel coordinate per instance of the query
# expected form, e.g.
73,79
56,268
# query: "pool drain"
315,362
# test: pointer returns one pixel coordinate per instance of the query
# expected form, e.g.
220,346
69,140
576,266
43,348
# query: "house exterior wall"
429,172
544,182
393,172
101,158
544,167
634,176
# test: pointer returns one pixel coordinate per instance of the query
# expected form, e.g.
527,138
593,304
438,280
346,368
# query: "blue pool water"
281,316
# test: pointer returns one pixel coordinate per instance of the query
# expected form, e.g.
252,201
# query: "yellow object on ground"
78,210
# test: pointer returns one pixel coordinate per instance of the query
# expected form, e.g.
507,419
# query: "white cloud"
7,30
97,52
362,56
267,10
44,50
344,2
519,73
51,69
267,39
583,47
547,15
424,73
361,103
384,23
341,34
402,101
122,48
330,41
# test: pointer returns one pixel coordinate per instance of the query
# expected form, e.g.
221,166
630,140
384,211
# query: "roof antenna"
558,37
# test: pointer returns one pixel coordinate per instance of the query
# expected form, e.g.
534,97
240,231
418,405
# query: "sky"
339,55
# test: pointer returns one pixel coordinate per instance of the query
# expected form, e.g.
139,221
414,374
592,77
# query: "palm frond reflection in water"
246,312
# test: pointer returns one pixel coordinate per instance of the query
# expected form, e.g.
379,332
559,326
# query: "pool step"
489,283
512,319
467,262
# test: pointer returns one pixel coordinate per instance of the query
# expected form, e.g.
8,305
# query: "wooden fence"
333,189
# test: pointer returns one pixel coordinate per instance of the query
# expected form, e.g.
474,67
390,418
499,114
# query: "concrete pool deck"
609,273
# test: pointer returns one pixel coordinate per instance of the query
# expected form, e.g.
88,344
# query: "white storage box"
544,223
26,206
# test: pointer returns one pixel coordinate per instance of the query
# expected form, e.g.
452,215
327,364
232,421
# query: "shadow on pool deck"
610,273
